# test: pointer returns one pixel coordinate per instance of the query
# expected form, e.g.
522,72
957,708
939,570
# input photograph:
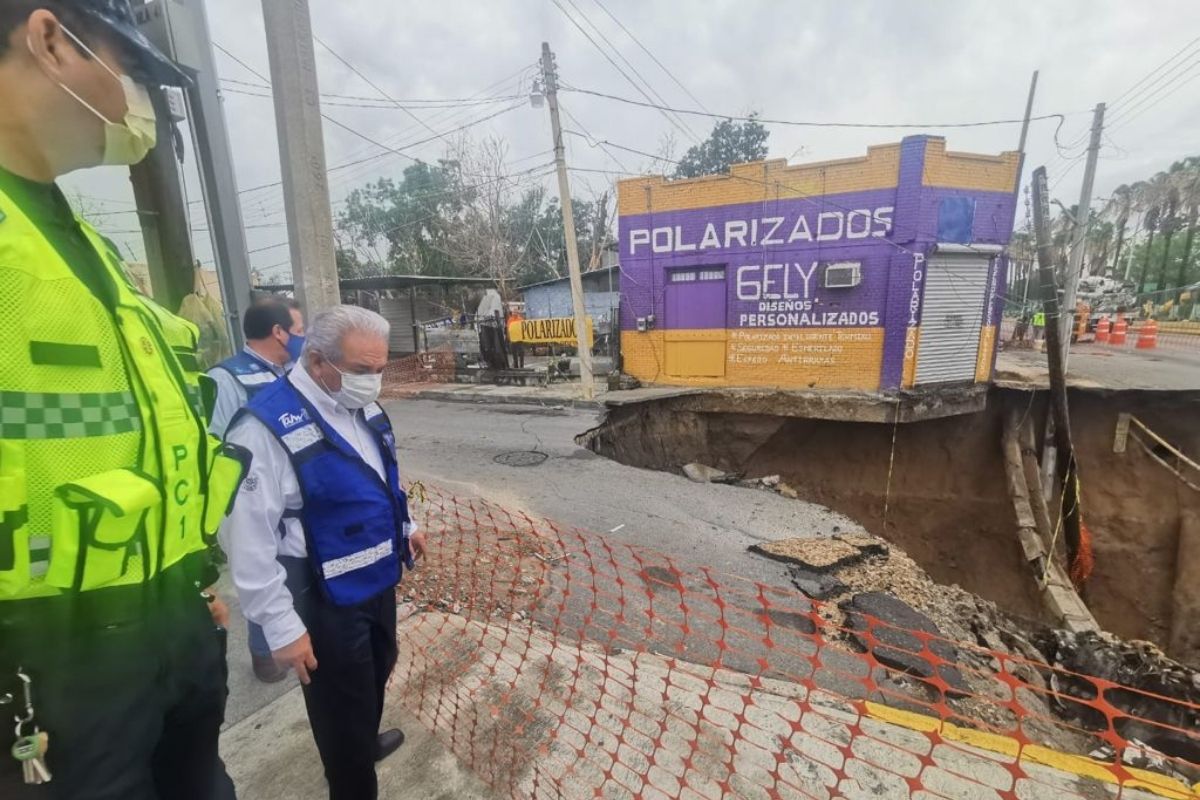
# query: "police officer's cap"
117,16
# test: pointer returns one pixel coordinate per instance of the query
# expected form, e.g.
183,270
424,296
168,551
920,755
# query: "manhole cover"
521,458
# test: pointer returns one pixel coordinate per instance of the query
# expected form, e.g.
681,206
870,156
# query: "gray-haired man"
319,535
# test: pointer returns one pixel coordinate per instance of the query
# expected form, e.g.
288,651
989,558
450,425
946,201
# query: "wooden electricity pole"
550,79
1067,474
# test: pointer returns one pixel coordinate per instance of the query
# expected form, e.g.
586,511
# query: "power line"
1150,99
455,190
769,121
1154,71
376,87
646,50
409,100
390,151
381,105
274,184
617,51
1128,120
666,112
1148,76
589,137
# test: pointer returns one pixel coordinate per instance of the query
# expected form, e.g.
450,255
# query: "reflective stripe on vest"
354,522
86,394
252,374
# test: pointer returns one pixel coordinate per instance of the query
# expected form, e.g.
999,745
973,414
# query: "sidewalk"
268,747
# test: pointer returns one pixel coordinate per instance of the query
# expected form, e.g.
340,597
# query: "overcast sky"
878,61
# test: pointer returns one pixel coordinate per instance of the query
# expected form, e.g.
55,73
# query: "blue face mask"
294,346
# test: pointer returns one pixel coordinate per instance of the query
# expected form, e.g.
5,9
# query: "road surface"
455,445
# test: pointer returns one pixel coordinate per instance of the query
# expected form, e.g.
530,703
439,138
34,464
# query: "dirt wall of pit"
948,505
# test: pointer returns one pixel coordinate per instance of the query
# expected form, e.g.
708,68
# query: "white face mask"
127,142
358,391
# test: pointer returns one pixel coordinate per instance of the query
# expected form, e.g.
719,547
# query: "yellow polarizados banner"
552,330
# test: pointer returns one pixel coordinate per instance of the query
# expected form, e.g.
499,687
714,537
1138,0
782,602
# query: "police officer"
318,536
109,482
274,333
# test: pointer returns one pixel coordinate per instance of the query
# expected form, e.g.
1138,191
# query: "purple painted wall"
775,254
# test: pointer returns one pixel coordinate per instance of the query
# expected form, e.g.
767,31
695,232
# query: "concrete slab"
270,754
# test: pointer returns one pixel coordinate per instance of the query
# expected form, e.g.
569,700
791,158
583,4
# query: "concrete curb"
508,400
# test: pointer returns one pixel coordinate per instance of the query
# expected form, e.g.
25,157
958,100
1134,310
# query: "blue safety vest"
354,523
250,372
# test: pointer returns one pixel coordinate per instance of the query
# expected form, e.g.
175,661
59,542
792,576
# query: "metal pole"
564,193
181,28
302,152
1082,222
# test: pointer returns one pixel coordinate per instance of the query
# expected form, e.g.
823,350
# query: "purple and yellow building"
874,273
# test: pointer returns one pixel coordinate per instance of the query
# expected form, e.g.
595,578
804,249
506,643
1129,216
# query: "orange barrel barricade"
1148,335
1102,328
1119,332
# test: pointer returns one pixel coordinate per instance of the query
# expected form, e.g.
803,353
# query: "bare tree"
484,240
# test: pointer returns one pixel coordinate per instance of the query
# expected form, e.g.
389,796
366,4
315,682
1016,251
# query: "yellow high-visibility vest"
107,473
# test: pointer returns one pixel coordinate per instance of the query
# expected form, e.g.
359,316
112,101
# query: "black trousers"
355,647
130,684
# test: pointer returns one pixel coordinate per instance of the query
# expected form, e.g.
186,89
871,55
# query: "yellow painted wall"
987,346
969,170
817,358
762,180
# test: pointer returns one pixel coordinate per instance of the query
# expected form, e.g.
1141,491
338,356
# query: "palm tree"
1099,240
1118,208
1169,224
1187,174
1151,195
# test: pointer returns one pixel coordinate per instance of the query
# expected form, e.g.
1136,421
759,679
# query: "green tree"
414,216
1187,179
729,143
1118,210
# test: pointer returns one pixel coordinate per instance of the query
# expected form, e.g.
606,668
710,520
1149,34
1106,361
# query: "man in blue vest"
320,533
267,326
274,331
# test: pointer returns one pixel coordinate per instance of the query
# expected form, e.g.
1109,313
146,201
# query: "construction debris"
1151,684
701,473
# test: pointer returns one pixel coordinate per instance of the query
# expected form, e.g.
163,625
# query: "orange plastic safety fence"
557,663
408,374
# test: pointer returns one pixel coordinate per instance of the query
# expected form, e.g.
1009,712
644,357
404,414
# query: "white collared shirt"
251,535
231,395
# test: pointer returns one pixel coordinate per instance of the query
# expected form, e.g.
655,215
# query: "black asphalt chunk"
816,585
896,647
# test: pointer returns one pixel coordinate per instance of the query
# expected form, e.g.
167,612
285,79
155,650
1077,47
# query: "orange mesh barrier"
557,663
407,375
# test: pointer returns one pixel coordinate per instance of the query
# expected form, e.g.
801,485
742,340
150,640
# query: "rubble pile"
860,575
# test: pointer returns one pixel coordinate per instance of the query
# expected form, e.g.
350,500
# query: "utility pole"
1071,278
1028,114
302,153
1082,222
550,79
1066,469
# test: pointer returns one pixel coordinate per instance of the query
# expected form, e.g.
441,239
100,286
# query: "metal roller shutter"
951,318
398,312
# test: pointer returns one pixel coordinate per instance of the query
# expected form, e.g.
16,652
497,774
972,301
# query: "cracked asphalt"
455,445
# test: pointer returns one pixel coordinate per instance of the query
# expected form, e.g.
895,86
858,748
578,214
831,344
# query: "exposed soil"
941,493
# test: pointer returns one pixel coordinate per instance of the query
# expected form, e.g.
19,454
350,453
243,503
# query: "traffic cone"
1148,335
1119,332
1102,328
